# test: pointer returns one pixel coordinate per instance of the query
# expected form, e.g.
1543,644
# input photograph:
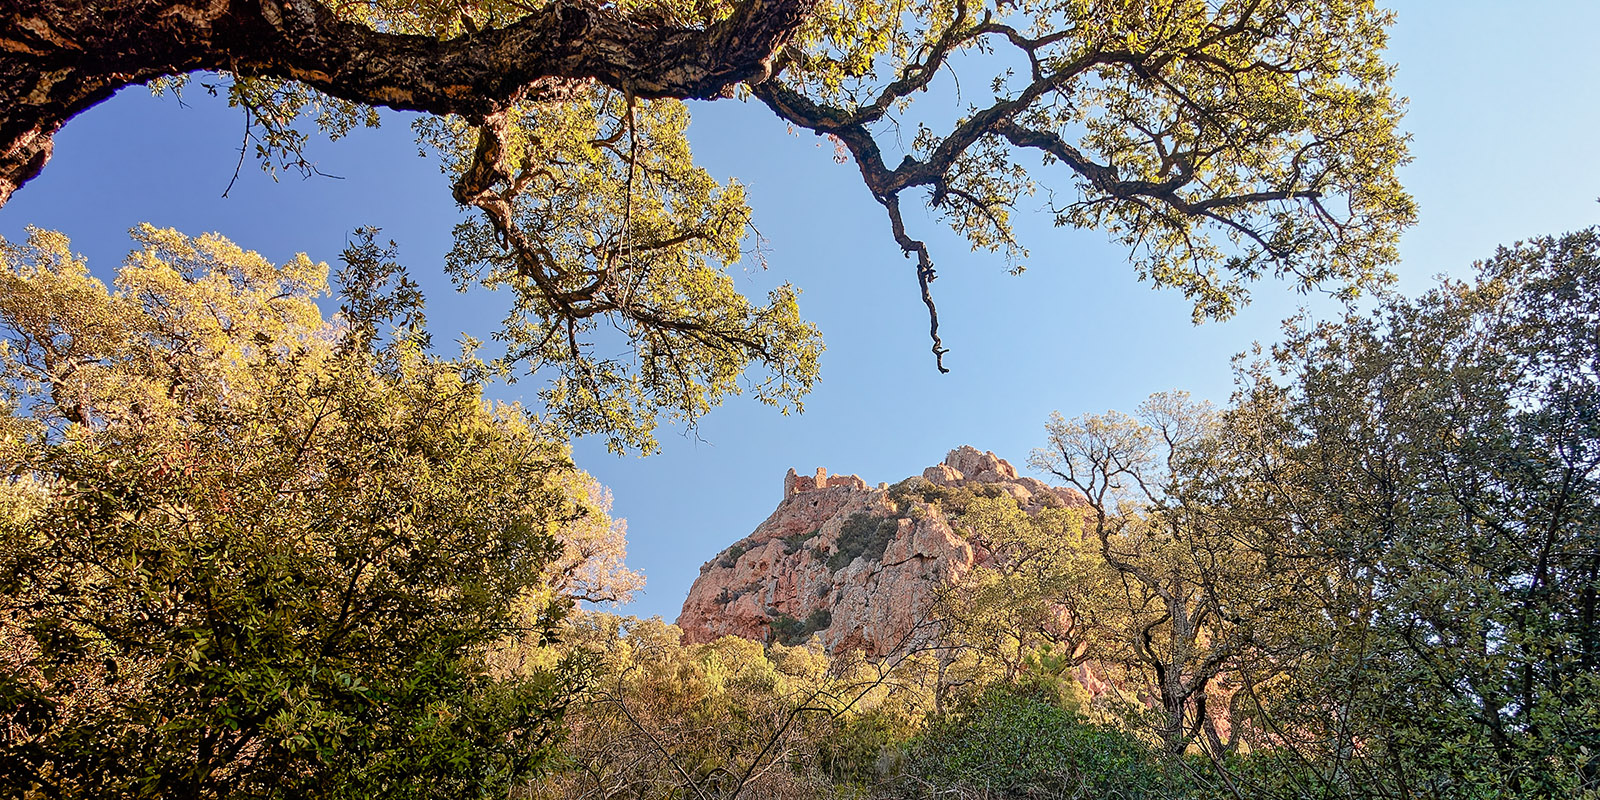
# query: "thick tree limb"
1178,192
59,58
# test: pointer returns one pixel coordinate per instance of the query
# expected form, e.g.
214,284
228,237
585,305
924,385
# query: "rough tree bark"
1235,140
60,57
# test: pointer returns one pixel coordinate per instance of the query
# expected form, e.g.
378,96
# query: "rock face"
843,560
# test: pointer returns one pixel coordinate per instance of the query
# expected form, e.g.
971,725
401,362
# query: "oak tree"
246,551
1441,458
1179,599
1219,142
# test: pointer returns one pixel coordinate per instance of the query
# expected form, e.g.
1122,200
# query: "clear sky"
1504,111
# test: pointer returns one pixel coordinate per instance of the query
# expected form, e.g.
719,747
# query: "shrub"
863,535
951,501
915,487
730,557
793,542
864,748
788,631
819,619
1017,743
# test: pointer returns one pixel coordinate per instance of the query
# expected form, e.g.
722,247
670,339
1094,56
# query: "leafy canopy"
1374,574
1441,459
1219,142
249,552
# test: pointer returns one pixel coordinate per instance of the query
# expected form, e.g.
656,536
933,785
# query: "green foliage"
661,719
793,542
1047,674
1029,597
953,501
632,246
902,491
1219,143
250,553
866,749
1260,113
1161,556
1378,563
1442,460
731,556
863,535
819,619
787,630
1010,743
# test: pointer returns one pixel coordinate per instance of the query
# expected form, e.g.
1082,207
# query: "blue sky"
1503,109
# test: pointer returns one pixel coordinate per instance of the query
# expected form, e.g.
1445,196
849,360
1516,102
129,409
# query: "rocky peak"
855,564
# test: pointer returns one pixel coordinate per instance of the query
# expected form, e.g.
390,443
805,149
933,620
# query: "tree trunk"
61,57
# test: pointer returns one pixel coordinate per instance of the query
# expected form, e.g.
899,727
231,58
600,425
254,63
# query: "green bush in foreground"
1014,742
246,552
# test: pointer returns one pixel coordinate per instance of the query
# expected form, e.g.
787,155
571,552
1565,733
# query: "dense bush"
253,553
662,719
863,536
953,501
1019,743
793,542
866,751
787,630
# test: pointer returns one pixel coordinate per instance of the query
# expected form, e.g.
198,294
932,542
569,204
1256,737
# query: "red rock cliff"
837,558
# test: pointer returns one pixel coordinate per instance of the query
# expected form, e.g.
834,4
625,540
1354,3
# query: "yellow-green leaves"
188,319
257,553
1220,142
621,272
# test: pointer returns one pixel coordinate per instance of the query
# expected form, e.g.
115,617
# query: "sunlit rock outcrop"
855,564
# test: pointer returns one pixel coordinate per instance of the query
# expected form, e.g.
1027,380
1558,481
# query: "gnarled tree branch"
1185,141
59,58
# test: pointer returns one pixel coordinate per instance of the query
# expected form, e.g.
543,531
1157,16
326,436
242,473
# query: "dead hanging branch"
925,274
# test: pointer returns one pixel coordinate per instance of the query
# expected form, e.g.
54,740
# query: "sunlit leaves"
1219,142
628,306
250,552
